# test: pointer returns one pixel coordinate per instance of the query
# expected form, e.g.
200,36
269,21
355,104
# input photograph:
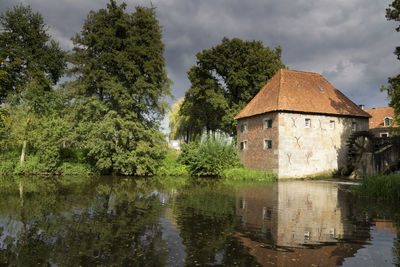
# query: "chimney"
362,107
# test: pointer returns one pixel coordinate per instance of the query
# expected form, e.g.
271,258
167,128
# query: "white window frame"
245,145
331,124
265,123
307,123
388,118
265,143
387,134
245,126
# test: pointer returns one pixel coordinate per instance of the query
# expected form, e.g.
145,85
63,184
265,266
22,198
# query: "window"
332,125
384,134
242,203
243,145
243,127
387,122
267,144
307,123
354,126
267,124
267,213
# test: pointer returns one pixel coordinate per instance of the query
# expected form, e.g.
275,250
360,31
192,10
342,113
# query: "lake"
117,221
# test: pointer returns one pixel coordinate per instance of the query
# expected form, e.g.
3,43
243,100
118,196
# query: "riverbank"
382,187
171,165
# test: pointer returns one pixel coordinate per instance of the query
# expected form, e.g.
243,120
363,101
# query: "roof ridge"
308,72
377,108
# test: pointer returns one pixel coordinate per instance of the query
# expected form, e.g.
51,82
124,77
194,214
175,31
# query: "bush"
32,166
247,174
209,158
69,168
170,166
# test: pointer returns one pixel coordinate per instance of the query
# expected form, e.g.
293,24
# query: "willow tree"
120,84
31,64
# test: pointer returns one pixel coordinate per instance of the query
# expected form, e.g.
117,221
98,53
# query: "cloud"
348,41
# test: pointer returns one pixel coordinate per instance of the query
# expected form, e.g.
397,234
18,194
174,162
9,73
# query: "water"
178,222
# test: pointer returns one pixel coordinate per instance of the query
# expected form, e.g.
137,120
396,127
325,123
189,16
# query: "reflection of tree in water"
205,214
113,224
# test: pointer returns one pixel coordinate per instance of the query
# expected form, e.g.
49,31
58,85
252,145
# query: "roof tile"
290,90
378,116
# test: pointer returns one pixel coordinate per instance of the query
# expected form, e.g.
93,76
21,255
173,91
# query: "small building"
381,123
297,126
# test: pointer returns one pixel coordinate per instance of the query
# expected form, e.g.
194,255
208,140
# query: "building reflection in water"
297,223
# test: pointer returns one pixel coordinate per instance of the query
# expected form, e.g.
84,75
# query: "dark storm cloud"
348,41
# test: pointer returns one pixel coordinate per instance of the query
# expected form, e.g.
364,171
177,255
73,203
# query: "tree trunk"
23,153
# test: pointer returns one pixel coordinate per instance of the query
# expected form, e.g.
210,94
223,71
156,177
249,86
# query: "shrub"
210,157
170,166
31,166
69,168
247,174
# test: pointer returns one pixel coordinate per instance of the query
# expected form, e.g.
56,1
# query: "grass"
248,175
383,187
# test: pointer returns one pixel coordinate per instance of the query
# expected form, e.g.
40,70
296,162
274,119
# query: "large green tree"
393,88
120,82
224,79
28,55
31,64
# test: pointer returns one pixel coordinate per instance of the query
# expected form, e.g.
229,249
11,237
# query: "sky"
349,42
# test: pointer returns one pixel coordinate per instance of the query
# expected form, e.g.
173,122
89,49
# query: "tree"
27,53
117,97
178,124
31,63
393,13
393,89
224,79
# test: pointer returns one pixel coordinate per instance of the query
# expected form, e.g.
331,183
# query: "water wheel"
358,144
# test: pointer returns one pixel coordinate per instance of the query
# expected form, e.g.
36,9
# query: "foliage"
178,124
380,187
31,64
170,166
29,57
393,91
225,78
3,127
393,13
121,80
393,88
210,157
247,174
75,168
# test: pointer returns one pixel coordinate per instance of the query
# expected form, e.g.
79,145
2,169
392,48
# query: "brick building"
297,125
381,123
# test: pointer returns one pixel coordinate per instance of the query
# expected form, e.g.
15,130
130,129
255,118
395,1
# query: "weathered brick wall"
255,156
305,151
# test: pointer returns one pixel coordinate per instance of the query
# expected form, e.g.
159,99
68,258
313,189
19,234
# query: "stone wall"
255,156
298,150
317,149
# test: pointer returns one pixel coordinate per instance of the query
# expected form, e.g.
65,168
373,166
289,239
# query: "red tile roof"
378,116
298,91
